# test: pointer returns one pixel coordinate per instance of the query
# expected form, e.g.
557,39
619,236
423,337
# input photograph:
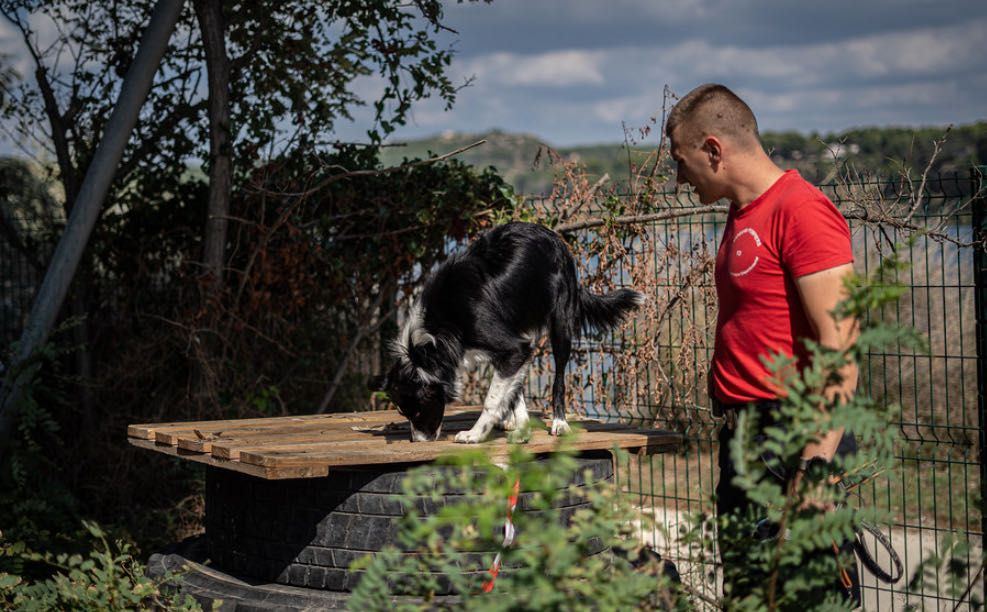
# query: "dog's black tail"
604,312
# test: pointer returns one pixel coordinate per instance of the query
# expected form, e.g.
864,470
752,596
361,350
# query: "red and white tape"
508,536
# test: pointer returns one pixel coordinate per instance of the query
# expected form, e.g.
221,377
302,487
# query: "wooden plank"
230,449
171,435
268,473
204,442
310,446
146,431
362,453
499,452
165,432
331,440
223,444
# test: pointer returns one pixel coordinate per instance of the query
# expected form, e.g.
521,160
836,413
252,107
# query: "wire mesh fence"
21,270
936,488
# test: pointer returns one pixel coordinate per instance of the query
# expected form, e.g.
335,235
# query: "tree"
291,68
291,64
84,213
213,27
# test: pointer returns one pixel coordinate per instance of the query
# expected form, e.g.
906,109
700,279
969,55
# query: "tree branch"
899,223
629,219
55,118
917,197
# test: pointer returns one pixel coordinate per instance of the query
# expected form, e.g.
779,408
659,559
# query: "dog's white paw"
560,427
469,437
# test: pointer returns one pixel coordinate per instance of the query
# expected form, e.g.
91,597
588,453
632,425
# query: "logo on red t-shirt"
744,257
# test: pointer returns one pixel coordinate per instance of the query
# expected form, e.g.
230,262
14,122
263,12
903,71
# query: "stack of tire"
307,532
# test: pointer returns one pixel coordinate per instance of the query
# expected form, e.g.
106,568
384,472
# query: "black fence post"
979,208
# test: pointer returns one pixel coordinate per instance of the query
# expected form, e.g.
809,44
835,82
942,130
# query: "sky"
579,71
576,71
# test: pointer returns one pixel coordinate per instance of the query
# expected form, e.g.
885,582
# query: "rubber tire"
306,532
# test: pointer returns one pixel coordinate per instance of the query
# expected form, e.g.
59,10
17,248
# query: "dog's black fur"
495,300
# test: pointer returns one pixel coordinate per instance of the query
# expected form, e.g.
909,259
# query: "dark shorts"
730,499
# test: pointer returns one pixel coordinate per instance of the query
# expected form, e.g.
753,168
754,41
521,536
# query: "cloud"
522,26
914,75
553,69
919,103
616,110
918,53
574,71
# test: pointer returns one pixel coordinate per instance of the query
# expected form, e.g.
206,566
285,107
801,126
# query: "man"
779,274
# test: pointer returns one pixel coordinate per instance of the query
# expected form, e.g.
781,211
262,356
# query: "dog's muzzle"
421,436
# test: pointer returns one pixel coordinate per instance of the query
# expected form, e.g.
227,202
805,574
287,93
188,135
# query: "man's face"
693,166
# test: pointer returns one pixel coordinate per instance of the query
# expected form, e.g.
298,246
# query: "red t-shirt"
791,230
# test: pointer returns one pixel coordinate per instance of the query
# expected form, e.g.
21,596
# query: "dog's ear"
420,337
377,383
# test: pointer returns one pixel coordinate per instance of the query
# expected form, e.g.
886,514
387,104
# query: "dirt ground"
912,545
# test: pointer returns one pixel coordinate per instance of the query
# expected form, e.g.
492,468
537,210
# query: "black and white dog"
491,303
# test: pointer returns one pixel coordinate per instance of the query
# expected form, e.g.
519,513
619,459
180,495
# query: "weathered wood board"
310,446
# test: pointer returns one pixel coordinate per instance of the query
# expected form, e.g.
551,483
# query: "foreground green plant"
36,506
551,566
947,571
107,578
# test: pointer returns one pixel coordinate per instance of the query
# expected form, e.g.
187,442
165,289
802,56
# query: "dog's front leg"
500,399
516,418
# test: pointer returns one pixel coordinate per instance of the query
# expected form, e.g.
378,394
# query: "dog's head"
418,399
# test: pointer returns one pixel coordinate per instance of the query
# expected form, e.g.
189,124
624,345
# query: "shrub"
550,564
108,578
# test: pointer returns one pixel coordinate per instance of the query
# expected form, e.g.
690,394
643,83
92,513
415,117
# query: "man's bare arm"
820,292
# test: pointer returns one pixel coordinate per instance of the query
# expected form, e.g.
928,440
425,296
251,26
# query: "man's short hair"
713,109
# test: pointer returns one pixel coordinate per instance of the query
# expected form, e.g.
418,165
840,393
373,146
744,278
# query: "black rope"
868,560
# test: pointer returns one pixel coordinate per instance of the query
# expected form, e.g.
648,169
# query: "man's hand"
816,498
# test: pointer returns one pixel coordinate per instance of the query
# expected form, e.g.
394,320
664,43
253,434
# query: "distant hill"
516,156
513,155
871,151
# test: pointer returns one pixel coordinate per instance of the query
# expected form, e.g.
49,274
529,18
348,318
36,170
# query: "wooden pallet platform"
310,446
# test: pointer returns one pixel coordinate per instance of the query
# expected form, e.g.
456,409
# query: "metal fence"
20,276
937,487
939,484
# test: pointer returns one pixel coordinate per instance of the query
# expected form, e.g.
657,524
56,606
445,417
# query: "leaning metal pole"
86,209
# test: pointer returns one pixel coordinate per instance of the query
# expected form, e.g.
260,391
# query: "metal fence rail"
938,485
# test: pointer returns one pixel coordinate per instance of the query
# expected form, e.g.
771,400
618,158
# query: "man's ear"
377,383
713,148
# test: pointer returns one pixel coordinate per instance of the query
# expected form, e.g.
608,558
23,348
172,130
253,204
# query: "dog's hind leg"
561,348
500,401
